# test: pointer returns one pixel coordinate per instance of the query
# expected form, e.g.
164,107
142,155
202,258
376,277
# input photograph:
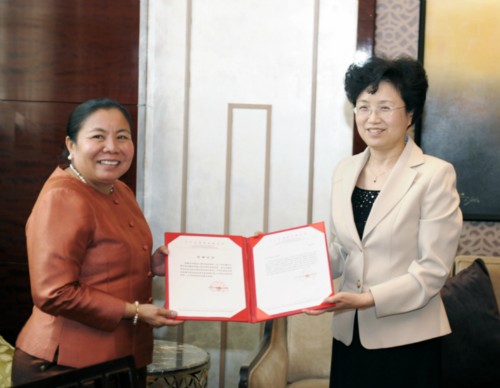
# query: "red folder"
196,278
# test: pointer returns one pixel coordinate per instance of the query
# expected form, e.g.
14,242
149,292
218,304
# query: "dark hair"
407,75
84,110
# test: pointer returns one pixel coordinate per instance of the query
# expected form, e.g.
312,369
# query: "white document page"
291,270
205,276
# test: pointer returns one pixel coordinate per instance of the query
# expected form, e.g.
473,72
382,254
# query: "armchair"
295,353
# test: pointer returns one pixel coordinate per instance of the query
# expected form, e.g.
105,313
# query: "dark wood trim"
366,46
420,54
56,54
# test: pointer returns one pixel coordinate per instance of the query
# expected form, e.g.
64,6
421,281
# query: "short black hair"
406,74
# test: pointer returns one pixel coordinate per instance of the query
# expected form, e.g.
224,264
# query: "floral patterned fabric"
6,354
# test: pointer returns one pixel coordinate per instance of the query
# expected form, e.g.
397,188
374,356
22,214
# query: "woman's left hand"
158,261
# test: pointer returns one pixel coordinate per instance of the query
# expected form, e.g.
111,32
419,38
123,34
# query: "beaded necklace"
77,173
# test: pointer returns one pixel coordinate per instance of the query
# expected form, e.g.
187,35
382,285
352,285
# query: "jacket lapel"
398,182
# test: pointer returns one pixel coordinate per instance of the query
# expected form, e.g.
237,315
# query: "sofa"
295,351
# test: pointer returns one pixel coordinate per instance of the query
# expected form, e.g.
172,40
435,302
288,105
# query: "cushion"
471,354
6,355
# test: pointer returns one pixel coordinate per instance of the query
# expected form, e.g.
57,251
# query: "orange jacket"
88,254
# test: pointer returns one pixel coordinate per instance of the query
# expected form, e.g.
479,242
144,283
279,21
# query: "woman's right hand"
153,315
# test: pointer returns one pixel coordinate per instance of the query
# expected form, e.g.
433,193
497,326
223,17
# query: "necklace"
370,171
77,173
375,177
387,161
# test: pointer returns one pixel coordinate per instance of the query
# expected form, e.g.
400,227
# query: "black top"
362,202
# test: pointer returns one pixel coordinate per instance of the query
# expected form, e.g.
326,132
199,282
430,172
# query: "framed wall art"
459,48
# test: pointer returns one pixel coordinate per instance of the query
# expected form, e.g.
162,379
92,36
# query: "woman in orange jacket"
90,256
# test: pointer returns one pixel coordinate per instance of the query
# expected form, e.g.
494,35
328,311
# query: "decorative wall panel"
397,28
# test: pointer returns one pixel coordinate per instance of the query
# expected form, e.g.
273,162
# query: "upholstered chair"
295,353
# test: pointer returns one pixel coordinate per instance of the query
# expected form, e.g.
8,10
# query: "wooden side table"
178,365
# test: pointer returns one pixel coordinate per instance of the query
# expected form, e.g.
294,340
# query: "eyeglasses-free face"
104,149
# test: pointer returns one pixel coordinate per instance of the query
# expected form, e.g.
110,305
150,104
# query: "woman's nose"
111,145
373,115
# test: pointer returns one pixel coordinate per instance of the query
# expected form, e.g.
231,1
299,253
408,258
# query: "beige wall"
244,118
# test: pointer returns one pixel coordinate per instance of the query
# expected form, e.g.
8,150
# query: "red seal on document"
218,286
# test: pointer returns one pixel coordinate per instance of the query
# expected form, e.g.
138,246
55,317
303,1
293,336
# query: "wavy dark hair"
406,74
84,110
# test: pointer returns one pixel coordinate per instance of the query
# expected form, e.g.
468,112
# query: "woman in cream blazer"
395,224
403,259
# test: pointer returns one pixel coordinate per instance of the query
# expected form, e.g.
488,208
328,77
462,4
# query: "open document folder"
247,279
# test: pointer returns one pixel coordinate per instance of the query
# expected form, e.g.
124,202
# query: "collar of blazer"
397,184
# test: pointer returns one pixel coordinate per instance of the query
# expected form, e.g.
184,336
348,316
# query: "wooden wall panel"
54,54
31,143
60,50
15,299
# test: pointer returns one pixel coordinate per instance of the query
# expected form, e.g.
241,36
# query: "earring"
69,157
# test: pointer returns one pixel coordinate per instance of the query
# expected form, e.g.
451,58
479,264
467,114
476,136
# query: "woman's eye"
363,108
385,109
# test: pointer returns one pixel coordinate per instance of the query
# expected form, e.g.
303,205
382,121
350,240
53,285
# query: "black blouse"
362,202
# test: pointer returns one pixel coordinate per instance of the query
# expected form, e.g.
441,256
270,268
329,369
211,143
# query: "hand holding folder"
247,279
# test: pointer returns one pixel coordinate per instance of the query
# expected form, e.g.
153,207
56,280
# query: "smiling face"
103,150
385,125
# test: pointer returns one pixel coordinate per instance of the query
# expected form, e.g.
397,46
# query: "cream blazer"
406,253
